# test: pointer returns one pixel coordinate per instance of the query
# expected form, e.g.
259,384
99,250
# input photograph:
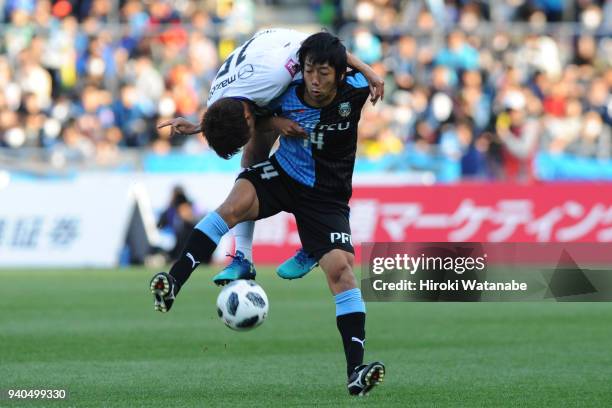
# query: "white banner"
64,223
83,222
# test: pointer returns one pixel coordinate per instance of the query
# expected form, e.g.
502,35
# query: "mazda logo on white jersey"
246,71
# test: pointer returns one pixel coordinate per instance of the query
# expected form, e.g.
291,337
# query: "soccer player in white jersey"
255,74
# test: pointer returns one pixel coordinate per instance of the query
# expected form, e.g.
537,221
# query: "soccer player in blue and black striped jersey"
311,178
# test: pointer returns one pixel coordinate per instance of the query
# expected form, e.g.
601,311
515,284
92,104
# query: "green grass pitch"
95,334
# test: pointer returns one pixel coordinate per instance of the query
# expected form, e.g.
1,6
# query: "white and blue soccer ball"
242,305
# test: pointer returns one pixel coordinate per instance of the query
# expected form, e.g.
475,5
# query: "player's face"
321,85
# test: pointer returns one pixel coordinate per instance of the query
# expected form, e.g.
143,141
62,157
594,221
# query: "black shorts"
322,222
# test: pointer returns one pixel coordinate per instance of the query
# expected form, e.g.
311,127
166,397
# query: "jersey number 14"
316,138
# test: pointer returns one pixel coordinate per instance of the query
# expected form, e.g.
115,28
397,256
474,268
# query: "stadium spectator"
519,135
446,63
403,63
457,54
178,219
595,139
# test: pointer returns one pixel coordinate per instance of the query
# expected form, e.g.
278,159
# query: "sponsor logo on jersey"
221,85
246,71
292,66
336,126
344,109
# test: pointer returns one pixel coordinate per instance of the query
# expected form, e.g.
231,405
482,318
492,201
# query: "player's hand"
288,127
377,86
376,83
180,126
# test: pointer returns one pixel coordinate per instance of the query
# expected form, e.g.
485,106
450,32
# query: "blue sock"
349,302
213,226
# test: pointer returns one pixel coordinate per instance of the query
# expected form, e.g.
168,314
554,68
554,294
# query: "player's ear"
247,111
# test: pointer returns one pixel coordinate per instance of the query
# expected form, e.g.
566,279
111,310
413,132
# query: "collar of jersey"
242,98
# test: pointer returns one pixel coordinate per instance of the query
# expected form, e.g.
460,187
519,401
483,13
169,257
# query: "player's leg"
350,308
325,232
241,204
350,320
271,194
255,151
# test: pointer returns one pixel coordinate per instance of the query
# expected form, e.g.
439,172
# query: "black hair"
225,127
179,199
321,48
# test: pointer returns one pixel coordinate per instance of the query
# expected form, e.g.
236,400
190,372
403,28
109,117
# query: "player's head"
323,61
324,49
228,124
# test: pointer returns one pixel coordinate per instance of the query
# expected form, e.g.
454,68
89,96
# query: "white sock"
243,234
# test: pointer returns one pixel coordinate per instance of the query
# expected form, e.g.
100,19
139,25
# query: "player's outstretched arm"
377,84
181,126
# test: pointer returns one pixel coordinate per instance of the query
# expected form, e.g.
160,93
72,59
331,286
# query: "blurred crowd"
388,16
482,86
90,77
483,99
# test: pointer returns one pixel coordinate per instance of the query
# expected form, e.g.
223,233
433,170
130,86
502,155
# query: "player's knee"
231,212
240,205
341,270
225,211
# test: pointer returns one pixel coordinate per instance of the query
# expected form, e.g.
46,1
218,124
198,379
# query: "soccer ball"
242,305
